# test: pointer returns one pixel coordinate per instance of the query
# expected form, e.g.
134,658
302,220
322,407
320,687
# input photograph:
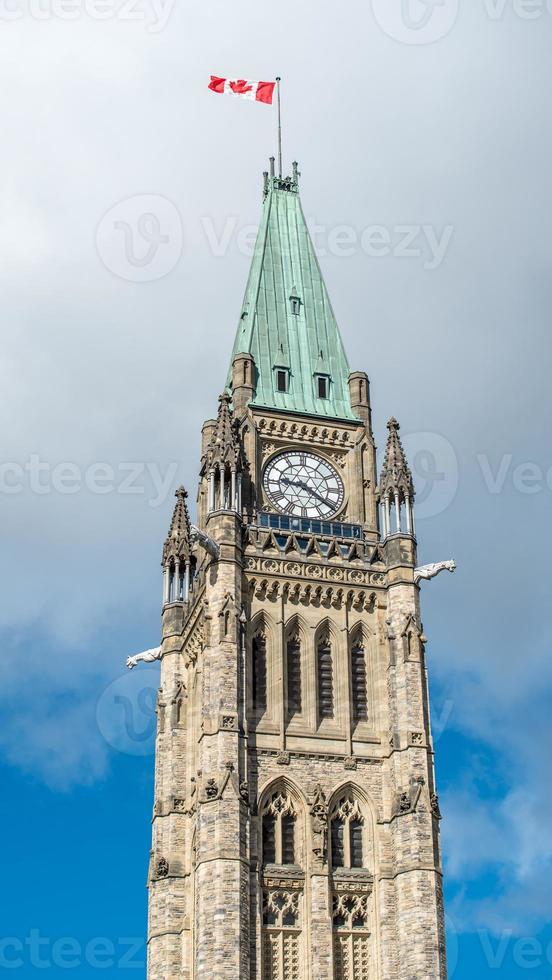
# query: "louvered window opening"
288,839
347,835
338,843
279,830
358,679
294,693
269,839
325,681
259,674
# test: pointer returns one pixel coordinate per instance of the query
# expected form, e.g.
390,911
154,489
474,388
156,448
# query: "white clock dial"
303,484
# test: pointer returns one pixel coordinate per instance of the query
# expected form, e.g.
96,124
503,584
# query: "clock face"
303,484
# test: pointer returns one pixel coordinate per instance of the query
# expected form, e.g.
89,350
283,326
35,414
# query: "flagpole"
278,80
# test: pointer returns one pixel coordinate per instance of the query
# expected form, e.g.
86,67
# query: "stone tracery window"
351,936
347,834
282,888
281,934
279,829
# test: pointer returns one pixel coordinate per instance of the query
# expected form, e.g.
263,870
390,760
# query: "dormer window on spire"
282,379
322,382
295,302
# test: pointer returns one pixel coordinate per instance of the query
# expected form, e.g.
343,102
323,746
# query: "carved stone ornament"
162,868
434,803
283,758
404,804
350,762
227,618
407,800
229,723
319,817
211,789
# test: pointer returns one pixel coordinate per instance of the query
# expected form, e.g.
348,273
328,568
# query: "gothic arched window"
279,829
347,834
259,672
293,673
324,663
281,935
351,932
358,681
282,904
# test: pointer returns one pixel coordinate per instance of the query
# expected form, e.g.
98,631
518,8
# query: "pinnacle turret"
224,448
395,472
222,460
177,564
396,487
177,543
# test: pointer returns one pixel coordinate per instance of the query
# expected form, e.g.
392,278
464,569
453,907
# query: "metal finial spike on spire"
278,81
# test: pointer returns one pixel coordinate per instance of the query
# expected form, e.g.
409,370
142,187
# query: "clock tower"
296,819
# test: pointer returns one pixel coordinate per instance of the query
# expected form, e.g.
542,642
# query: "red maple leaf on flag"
241,86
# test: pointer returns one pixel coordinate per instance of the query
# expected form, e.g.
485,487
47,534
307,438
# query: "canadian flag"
243,89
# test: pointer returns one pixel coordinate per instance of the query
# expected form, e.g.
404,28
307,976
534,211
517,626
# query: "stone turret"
396,488
222,461
176,560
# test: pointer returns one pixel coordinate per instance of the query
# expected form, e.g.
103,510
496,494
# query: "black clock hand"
304,486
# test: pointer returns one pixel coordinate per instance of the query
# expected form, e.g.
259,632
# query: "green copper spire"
287,322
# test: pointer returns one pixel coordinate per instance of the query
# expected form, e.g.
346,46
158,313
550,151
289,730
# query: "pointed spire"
289,314
224,447
177,544
395,472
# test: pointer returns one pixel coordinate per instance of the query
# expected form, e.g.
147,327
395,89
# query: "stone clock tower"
296,821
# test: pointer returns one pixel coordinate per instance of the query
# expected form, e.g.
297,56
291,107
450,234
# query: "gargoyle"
205,541
147,657
431,571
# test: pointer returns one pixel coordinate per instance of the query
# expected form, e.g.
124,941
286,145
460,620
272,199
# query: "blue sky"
422,133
